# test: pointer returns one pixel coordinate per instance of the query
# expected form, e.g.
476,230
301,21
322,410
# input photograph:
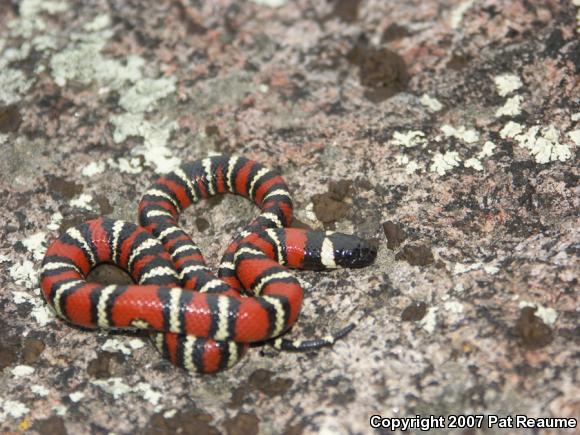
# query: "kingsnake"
207,322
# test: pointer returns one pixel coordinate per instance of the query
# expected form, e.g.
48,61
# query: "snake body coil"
205,322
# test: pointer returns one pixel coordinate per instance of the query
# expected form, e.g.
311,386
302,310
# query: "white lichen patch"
441,163
507,83
487,150
39,390
125,347
42,313
127,165
144,94
117,388
22,370
491,268
575,136
411,166
473,163
409,139
93,168
432,104
33,8
114,386
32,25
82,201
13,409
55,221
577,4
13,85
156,137
21,297
60,410
429,322
548,315
82,62
454,307
511,130
14,54
544,144
24,274
458,13
33,33
147,392
462,133
76,397
460,268
512,107
100,22
169,413
35,245
270,3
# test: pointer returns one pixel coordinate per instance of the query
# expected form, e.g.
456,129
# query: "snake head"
352,251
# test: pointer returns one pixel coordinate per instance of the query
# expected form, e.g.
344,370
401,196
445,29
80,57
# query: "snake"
200,321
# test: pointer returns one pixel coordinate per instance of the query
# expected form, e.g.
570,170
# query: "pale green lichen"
577,4
432,104
458,13
487,150
575,136
155,138
429,322
12,409
13,84
507,83
474,163
512,107
82,61
31,21
511,130
411,166
39,390
144,94
126,165
117,388
35,244
14,54
270,3
409,139
444,162
93,168
542,142
82,201
461,133
100,22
